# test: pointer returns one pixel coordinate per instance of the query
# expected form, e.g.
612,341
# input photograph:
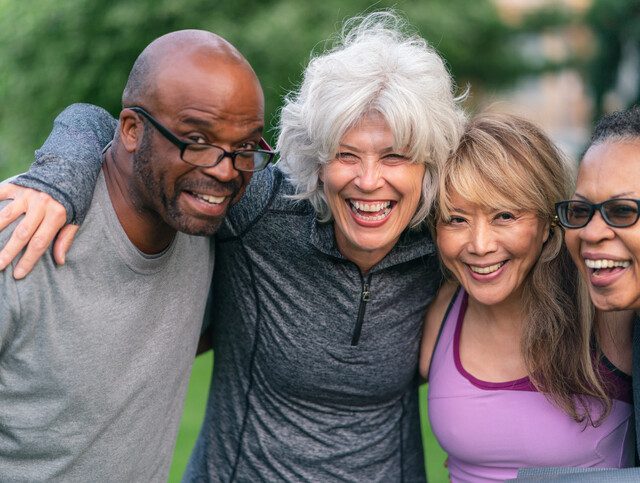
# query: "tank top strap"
448,326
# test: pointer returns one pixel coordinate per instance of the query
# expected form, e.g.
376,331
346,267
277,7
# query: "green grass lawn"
194,414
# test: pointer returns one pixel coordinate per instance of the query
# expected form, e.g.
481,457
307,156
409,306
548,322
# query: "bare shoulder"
615,333
432,322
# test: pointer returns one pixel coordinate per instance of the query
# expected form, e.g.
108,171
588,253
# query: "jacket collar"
412,244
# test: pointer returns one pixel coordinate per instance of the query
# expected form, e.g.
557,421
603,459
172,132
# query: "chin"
485,298
197,226
372,243
610,303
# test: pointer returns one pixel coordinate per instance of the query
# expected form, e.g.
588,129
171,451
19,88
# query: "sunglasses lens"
575,214
620,213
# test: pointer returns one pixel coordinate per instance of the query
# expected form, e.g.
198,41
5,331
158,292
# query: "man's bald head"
169,50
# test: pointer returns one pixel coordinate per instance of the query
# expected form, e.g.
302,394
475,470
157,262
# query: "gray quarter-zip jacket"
315,364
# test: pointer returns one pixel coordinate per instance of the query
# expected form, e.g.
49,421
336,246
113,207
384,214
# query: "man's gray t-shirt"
95,355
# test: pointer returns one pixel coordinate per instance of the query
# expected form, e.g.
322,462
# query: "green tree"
614,23
53,53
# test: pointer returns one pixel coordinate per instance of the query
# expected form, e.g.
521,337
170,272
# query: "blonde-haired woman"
507,347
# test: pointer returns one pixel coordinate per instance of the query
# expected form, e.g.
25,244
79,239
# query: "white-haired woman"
518,374
324,270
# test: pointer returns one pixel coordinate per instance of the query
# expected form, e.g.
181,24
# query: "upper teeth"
373,207
210,199
606,263
485,270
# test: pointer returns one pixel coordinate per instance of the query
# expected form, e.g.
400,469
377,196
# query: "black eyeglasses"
208,155
616,212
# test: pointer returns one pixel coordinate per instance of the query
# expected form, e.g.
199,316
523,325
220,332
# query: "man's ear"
131,130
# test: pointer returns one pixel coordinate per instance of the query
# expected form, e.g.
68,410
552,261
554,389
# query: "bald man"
95,355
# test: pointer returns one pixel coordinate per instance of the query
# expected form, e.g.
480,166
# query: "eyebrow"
621,195
196,121
458,210
388,149
203,123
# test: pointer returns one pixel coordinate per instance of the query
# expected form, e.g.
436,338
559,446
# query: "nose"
370,176
596,230
482,239
223,171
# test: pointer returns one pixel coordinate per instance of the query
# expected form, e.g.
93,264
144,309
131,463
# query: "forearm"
68,164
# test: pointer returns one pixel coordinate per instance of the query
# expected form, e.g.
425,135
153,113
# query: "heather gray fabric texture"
583,475
87,129
294,397
95,355
298,393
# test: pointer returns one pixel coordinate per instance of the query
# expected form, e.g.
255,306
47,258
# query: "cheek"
528,237
411,182
415,198
631,241
571,240
448,247
246,178
334,178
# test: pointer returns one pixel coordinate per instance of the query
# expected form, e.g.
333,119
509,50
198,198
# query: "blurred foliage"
53,53
615,24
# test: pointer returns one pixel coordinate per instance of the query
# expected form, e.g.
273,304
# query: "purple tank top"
489,429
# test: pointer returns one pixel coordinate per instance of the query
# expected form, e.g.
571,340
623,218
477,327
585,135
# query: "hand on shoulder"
42,221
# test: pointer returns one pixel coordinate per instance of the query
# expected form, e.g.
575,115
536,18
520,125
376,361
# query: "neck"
364,259
505,317
144,227
365,262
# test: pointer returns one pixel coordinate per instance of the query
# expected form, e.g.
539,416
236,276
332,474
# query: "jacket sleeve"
68,163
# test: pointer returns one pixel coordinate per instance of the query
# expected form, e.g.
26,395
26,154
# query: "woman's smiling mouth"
604,263
603,272
487,269
371,210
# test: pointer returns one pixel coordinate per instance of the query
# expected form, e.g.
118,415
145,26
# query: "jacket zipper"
364,298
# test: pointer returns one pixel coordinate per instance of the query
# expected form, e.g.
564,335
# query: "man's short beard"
153,195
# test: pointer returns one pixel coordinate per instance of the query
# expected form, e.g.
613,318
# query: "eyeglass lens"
618,213
249,160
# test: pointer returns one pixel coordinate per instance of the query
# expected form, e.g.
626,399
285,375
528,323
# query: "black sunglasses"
208,155
616,212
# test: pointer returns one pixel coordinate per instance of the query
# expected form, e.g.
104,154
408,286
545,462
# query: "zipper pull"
366,295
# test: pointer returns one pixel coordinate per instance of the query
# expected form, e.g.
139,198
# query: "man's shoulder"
268,192
5,234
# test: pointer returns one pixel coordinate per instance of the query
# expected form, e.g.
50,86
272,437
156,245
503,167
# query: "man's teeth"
216,200
597,264
486,270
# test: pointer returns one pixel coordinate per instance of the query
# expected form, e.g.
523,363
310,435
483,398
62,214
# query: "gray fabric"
583,475
292,399
86,129
95,355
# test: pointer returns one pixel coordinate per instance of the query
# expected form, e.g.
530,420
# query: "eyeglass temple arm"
263,144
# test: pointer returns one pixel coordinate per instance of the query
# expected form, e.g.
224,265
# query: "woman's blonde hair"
505,162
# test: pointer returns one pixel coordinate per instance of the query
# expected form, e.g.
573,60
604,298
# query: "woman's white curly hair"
377,65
